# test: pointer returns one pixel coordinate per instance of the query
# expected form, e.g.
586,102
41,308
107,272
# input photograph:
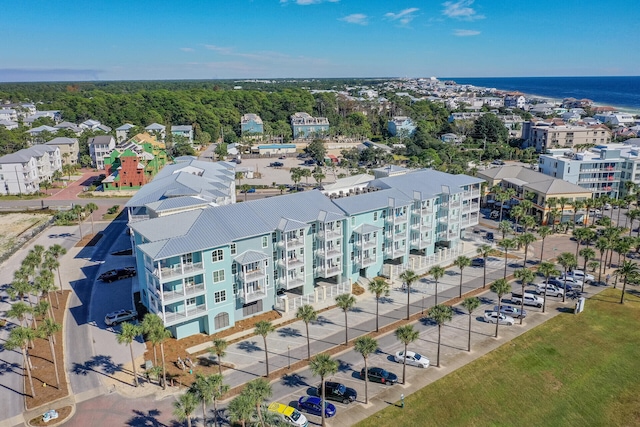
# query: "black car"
489,237
380,375
118,274
560,283
276,164
338,392
477,262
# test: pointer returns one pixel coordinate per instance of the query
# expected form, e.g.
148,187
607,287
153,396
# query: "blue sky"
142,39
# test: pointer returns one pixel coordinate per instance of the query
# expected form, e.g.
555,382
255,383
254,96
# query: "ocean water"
623,92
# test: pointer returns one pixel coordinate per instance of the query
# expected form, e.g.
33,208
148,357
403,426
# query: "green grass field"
571,371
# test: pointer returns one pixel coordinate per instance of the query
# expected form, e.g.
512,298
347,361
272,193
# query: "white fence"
320,294
421,264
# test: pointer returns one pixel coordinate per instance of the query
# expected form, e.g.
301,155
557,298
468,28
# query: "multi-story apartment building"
69,149
515,100
23,171
401,126
158,130
183,131
203,269
598,169
548,135
99,148
306,126
122,132
251,124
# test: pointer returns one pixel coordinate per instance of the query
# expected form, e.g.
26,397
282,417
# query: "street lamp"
289,357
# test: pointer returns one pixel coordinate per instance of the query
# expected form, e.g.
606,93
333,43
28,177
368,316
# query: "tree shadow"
145,419
99,364
249,346
427,321
386,300
289,332
344,366
294,380
322,320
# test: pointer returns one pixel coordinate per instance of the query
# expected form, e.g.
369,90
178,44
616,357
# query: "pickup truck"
120,273
529,299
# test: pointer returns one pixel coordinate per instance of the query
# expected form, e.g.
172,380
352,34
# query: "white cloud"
404,17
461,9
186,49
465,33
219,49
356,18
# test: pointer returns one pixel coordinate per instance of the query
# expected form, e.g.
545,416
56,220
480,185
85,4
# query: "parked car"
249,190
498,162
51,414
529,299
581,275
570,281
312,405
338,392
120,316
607,206
413,359
288,415
490,237
551,290
117,274
512,311
276,164
560,283
494,316
380,375
477,262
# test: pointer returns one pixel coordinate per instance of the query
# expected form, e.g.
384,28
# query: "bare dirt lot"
15,226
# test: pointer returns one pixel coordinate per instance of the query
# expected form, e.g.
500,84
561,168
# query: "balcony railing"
370,243
330,234
254,295
471,194
470,207
292,282
367,261
191,312
291,263
178,270
295,243
252,275
187,291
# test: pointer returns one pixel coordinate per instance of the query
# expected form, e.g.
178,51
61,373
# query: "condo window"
217,255
265,241
233,249
218,276
220,296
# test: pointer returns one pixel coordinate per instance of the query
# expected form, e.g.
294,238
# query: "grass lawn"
571,371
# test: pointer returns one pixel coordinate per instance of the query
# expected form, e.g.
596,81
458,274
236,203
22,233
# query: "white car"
552,290
607,206
120,316
413,359
493,317
581,275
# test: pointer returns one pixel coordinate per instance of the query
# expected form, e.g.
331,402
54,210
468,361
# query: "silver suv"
120,316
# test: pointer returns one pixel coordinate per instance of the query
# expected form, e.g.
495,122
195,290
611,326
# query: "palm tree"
19,311
91,208
440,314
500,287
406,334
127,335
632,215
49,265
528,222
461,262
260,390
579,234
56,251
547,269
505,228
264,328
577,206
241,408
602,244
562,201
516,213
345,302
365,345
525,240
20,337
587,254
323,365
567,260
526,277
506,244
307,314
185,406
78,210
408,277
484,251
48,328
379,287
151,325
470,304
206,389
627,270
437,272
161,335
219,347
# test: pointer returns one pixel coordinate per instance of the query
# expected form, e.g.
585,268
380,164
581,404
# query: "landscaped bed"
572,370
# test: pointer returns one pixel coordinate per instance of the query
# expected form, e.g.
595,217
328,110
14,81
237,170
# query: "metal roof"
250,256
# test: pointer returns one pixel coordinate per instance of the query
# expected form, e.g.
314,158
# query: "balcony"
291,263
252,275
367,261
187,291
426,226
471,194
454,203
290,282
176,270
470,207
254,295
191,312
330,271
426,210
367,243
399,232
